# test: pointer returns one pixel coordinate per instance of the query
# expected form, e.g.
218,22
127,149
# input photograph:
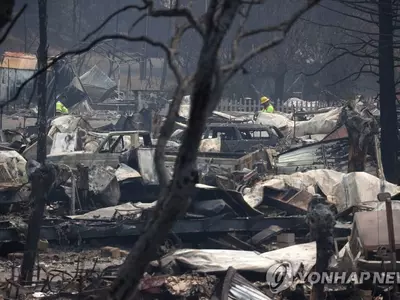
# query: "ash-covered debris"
264,190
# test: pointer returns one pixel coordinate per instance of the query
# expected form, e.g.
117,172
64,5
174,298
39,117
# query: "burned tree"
41,177
374,43
387,92
321,220
361,129
207,84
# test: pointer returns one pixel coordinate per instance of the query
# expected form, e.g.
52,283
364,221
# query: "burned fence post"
321,221
361,129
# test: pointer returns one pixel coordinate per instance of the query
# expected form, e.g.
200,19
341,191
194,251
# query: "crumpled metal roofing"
241,289
18,60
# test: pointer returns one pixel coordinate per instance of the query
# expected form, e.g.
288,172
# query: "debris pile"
275,195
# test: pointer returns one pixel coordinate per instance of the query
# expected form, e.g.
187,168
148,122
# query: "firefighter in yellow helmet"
266,105
61,109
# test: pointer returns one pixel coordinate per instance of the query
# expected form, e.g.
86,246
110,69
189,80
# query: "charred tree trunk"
321,221
175,199
361,131
39,181
387,91
42,83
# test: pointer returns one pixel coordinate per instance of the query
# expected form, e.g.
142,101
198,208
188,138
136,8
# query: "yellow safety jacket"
60,108
269,109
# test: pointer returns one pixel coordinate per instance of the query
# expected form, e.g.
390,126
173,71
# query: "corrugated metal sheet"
331,154
324,154
236,287
17,60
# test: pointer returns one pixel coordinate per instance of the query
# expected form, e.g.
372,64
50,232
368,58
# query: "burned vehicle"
243,137
114,148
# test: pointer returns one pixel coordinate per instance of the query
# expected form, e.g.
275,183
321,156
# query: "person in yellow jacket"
266,104
61,109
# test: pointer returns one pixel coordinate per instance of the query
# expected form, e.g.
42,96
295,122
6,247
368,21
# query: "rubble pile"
265,185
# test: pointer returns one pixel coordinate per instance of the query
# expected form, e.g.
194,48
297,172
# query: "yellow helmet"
264,99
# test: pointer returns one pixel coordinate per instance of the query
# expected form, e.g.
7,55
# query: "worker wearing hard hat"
266,105
61,109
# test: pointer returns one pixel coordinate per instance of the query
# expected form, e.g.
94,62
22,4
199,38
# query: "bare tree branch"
359,7
231,69
239,33
348,15
149,5
207,85
85,49
110,17
13,21
175,199
340,27
356,75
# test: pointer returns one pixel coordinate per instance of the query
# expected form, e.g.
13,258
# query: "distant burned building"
15,68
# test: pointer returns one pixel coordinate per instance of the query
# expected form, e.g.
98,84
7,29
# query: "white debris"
345,190
67,123
320,124
12,168
301,255
125,172
210,145
64,142
110,213
297,102
276,120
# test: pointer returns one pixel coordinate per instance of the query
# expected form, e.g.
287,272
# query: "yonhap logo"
279,277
